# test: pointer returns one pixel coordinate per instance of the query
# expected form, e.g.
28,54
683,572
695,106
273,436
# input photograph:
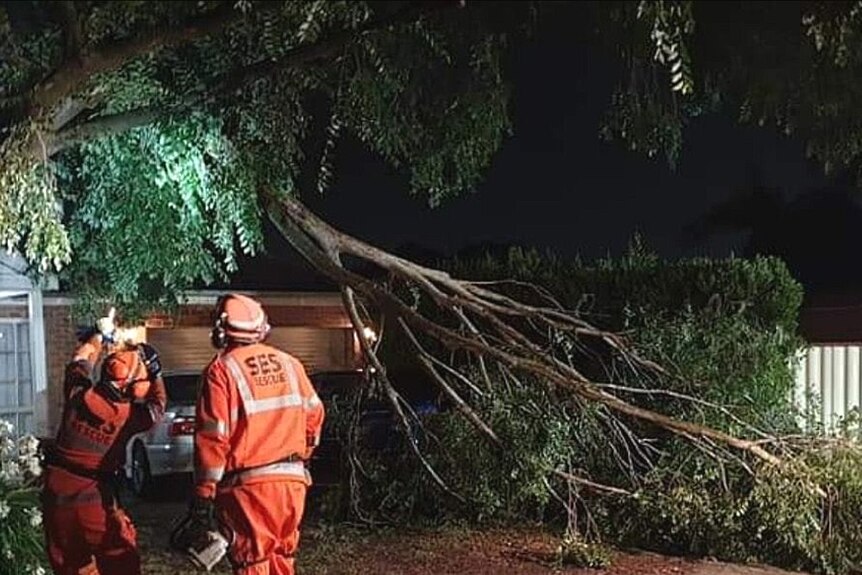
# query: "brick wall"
59,344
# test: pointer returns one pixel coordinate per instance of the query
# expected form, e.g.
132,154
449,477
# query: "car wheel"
142,481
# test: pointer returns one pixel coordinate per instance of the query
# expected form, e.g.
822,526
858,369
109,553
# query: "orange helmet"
240,319
126,373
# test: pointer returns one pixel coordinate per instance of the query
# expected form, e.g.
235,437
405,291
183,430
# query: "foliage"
21,548
793,67
280,83
725,329
648,107
574,551
392,485
29,218
182,187
252,107
673,312
729,322
687,503
775,516
521,492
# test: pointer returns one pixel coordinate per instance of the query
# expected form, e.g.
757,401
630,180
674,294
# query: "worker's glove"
151,360
311,443
79,374
106,327
202,512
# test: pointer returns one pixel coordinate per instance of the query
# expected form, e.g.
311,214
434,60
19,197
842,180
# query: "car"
168,448
378,425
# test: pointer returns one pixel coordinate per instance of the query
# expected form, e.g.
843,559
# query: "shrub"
726,328
21,547
727,331
775,516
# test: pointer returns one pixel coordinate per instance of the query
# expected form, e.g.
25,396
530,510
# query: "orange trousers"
264,518
90,539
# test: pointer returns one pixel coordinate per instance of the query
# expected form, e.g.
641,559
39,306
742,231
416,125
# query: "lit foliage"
29,218
181,186
151,210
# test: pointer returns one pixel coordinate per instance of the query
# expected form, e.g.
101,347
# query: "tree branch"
100,127
394,399
469,413
591,484
235,80
326,257
526,358
71,30
305,53
73,73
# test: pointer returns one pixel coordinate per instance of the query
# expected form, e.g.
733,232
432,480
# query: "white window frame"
17,411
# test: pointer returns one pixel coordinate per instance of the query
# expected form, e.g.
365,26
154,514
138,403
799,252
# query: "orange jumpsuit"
86,530
258,419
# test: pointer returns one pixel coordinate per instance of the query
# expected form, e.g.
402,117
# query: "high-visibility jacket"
92,438
258,418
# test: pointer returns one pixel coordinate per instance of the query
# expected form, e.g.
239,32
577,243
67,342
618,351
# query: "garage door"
318,349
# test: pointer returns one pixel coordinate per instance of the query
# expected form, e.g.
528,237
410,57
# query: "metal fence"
828,384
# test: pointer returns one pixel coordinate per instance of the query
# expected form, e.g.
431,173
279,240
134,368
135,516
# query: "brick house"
312,326
37,337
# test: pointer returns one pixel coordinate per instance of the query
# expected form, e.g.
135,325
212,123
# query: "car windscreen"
182,389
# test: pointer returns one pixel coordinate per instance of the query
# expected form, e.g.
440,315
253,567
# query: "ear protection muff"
218,335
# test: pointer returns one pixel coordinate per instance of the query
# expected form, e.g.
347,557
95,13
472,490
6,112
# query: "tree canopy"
156,125
164,121
160,123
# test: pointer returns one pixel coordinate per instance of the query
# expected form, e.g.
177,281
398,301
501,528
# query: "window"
16,376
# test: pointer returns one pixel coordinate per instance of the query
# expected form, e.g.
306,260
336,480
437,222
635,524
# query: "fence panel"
828,385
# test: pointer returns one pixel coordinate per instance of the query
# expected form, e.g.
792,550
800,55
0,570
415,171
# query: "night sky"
556,185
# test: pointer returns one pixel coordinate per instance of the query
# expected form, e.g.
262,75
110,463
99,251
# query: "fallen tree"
487,324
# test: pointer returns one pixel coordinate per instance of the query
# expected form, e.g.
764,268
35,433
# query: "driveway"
342,550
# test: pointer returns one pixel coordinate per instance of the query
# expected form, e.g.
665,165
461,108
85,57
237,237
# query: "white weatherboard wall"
828,383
